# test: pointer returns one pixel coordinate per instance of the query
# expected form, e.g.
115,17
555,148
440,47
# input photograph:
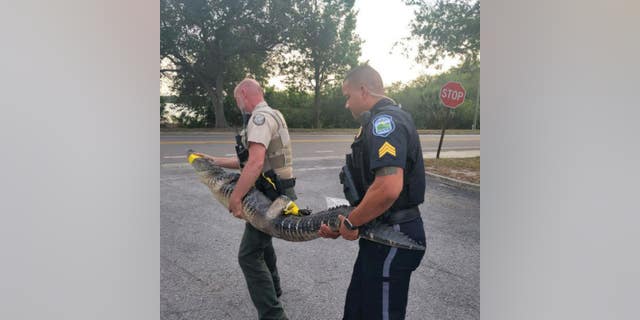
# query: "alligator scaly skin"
266,215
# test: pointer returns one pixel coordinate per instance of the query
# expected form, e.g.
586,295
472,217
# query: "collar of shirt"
381,103
262,104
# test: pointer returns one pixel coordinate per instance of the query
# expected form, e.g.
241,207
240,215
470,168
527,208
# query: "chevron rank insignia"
386,148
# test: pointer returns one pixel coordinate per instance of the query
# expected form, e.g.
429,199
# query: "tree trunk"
477,108
217,97
316,99
212,114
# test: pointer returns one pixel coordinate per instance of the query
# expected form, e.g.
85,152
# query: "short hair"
251,84
367,76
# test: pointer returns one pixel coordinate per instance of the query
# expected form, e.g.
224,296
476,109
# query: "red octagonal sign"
452,94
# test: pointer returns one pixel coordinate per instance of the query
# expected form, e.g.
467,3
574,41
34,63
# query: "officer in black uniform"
387,172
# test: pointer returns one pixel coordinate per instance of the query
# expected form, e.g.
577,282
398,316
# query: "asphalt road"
305,145
200,276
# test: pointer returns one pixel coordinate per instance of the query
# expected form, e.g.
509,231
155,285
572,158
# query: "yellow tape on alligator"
292,208
193,156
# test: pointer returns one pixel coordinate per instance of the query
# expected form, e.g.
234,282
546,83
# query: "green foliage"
162,108
322,47
335,115
294,104
446,28
421,98
188,118
215,43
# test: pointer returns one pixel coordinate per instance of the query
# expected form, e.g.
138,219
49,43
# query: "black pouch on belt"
268,183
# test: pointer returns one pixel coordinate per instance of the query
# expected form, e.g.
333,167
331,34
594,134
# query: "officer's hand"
326,232
346,233
235,207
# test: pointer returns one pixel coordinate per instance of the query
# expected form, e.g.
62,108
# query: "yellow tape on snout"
193,157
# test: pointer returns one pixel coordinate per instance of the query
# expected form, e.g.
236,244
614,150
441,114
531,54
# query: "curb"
454,182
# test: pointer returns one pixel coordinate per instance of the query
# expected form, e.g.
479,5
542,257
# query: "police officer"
264,154
387,169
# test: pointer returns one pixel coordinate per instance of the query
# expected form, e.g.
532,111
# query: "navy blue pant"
380,281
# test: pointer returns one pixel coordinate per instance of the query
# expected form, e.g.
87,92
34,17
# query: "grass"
465,169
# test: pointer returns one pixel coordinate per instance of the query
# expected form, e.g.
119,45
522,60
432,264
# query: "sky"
381,23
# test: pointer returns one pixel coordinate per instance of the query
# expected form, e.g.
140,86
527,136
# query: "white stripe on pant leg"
385,283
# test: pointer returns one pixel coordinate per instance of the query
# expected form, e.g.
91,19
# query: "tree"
323,45
214,43
447,28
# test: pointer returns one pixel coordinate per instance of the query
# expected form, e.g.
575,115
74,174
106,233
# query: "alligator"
268,216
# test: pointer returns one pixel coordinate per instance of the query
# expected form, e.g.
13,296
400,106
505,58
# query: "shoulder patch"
258,119
383,125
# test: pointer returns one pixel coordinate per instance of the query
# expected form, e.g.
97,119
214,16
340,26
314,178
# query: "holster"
241,151
349,186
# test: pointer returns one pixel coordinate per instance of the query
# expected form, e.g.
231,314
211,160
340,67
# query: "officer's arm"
225,162
251,170
380,196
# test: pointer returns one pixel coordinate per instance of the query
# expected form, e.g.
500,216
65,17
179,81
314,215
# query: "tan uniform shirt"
268,127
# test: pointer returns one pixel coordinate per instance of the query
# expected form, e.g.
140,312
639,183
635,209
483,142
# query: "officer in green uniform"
265,157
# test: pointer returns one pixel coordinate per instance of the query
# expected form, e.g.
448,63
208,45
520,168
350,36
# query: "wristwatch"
348,224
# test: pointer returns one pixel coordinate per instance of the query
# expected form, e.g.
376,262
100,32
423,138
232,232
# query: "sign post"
451,95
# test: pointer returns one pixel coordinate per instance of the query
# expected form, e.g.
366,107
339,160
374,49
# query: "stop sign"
452,94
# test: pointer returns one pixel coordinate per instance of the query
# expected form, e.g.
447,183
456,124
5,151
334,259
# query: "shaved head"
249,86
365,75
248,93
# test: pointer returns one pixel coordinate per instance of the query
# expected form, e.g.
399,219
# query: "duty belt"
287,183
401,216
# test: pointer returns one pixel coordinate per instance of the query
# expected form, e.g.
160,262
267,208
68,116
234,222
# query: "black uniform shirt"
391,140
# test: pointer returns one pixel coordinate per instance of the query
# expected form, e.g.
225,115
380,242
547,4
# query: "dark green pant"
258,262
